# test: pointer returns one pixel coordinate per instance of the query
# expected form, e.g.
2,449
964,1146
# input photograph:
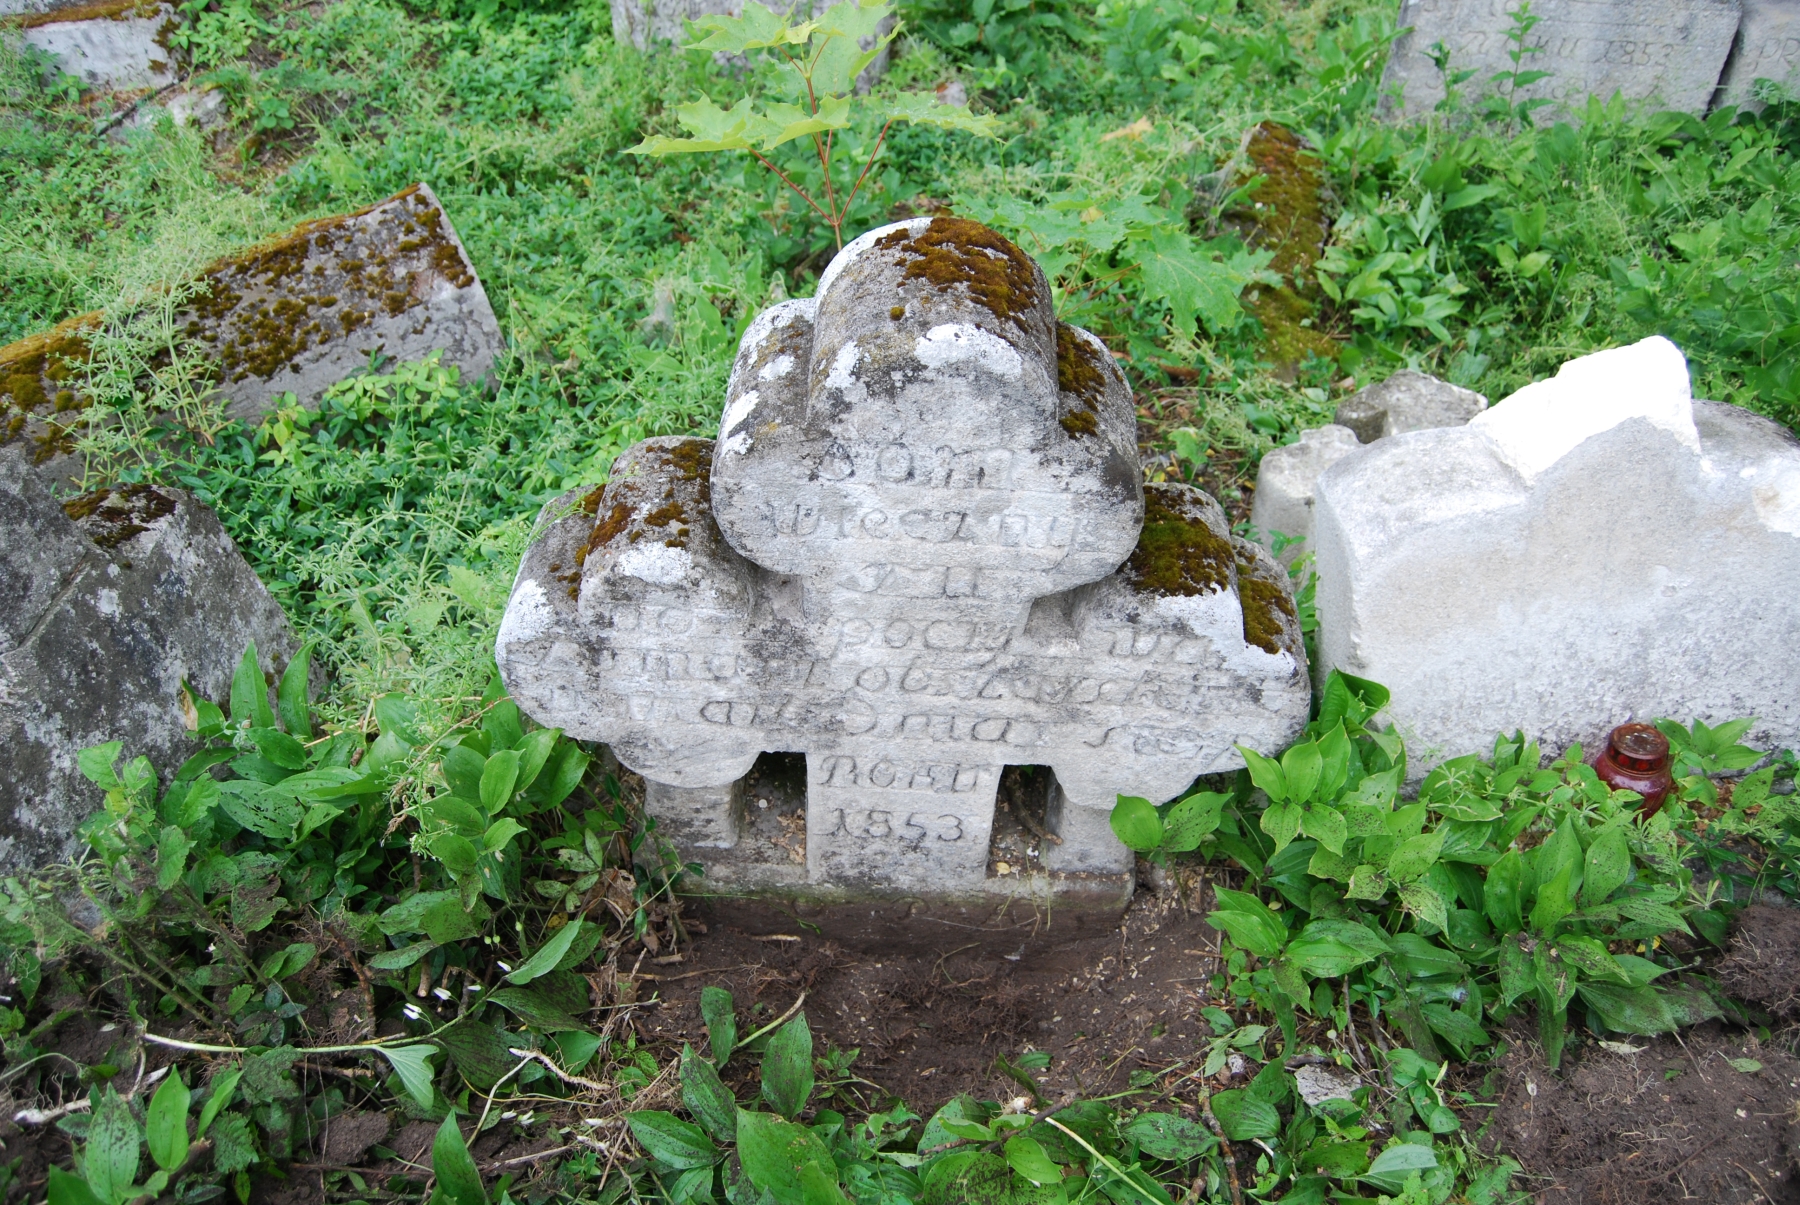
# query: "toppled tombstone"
1666,52
1768,47
1407,401
1288,476
918,552
108,603
646,23
117,45
1595,549
1283,501
294,315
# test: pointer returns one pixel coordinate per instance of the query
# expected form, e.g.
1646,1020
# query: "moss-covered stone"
1178,553
1288,213
956,251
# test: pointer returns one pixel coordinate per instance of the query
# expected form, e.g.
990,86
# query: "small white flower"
440,993
504,967
412,1012
508,1115
473,987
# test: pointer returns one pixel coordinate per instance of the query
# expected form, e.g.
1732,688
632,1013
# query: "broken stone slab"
1407,401
116,45
1283,499
295,314
1595,549
1768,47
918,552
108,603
1667,52
647,23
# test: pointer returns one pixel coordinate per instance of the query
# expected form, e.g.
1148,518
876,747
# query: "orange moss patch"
1079,371
1264,603
1177,554
100,10
1288,215
957,251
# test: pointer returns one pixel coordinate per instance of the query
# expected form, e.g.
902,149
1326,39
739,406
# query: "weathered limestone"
1594,549
112,44
918,552
1768,47
1670,52
1285,481
644,23
294,315
107,604
1408,401
1287,477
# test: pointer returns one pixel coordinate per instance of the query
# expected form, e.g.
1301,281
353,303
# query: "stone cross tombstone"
919,552
1668,52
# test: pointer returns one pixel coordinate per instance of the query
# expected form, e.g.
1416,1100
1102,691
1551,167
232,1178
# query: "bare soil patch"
1762,967
1672,1120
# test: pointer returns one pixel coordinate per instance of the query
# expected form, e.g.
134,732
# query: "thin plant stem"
869,164
784,179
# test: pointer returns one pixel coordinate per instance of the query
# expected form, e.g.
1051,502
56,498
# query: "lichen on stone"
112,515
1177,553
1286,214
1079,372
956,251
1265,604
688,460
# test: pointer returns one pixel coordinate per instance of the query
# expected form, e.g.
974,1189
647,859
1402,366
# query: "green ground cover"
1476,245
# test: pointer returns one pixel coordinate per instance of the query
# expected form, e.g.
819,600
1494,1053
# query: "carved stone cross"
920,551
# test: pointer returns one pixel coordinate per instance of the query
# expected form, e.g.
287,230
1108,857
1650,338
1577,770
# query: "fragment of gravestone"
647,23
117,45
1286,479
1668,53
108,603
1768,48
295,314
1595,549
1407,401
904,560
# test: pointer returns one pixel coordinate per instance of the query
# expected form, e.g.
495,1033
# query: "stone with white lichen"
918,552
1595,549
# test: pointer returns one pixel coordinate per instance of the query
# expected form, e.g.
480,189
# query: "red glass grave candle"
1636,758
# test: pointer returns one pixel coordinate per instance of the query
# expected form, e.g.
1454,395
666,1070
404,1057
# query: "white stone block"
1285,481
1768,47
919,552
1408,401
1666,52
118,46
1594,549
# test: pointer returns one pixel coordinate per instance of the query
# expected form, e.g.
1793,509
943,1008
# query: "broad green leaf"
1243,1117
71,1190
548,955
1415,855
260,809
1459,1027
924,108
457,1176
1556,979
1266,774
1302,766
707,1097
1650,912
165,1123
758,27
1171,1137
497,779
1191,819
413,1065
1190,282
1282,822
291,694
1249,921
1591,957
1330,948
499,833
715,129
1640,1010
1555,899
1334,755
1027,1158
1403,1157
1516,975
721,1023
110,1159
534,754
570,768
539,1010
1425,902
1367,883
1325,824
976,1177
787,1069
399,960
439,914
1135,822
795,121
1500,893
1608,865
172,846
223,1086
820,1187
250,693
456,852
1745,1066
96,764
773,1151
670,1140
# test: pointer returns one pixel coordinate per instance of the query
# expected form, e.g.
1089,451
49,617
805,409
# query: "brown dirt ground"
931,1021
1762,967
1673,1121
